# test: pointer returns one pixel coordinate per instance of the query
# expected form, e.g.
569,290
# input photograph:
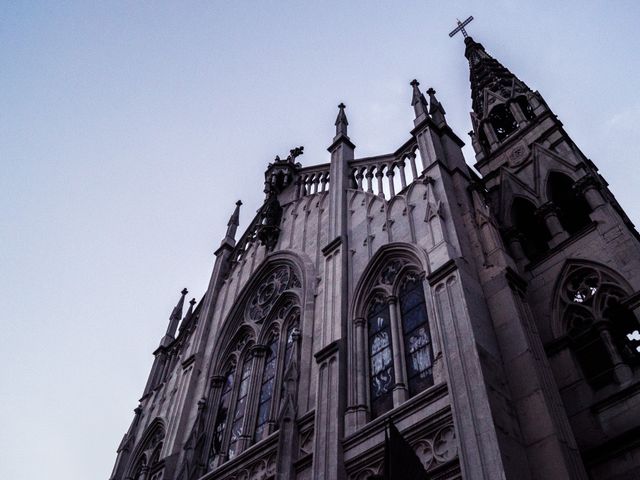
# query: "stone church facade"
493,316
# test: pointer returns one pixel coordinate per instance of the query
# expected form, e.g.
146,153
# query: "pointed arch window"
502,121
417,339
223,410
534,233
382,377
573,210
266,387
400,353
604,334
525,107
247,401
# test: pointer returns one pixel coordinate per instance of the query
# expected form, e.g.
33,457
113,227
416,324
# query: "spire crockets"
418,102
176,316
341,122
485,72
232,226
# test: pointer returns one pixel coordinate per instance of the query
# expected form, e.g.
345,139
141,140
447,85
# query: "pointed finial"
436,110
232,226
174,319
341,121
192,302
418,102
187,317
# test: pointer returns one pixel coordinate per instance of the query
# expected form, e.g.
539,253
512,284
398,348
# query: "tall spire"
174,319
232,226
418,102
485,72
341,121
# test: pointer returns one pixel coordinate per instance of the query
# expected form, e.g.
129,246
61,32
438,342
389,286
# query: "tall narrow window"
603,332
417,340
223,411
526,108
573,210
266,388
241,406
288,350
502,121
534,232
380,357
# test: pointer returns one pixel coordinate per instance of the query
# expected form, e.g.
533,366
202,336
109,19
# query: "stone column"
490,134
400,392
621,370
589,188
328,461
514,239
518,114
356,415
549,213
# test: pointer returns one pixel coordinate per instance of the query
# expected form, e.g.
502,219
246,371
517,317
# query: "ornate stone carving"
269,291
517,155
390,272
433,450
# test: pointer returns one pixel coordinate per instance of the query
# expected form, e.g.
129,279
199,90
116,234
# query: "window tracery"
248,393
398,339
269,291
603,332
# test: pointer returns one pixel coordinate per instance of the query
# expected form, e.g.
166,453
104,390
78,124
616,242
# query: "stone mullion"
250,411
281,369
400,392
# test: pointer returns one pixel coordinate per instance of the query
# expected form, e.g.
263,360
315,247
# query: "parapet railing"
311,180
392,172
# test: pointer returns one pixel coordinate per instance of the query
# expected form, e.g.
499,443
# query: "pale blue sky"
129,129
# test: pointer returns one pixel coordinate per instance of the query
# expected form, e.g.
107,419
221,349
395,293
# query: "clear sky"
129,129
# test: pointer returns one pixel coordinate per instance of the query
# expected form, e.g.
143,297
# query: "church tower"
492,317
577,252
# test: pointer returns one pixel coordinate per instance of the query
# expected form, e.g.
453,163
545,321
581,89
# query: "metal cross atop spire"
460,27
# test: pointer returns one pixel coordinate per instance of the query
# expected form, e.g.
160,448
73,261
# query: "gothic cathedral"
491,313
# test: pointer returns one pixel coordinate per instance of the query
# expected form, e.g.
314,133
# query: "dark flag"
400,461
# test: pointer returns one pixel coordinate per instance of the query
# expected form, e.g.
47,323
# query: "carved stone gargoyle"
268,229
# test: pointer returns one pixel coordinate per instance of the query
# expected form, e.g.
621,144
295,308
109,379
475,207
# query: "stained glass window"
266,389
380,357
223,411
241,405
417,339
